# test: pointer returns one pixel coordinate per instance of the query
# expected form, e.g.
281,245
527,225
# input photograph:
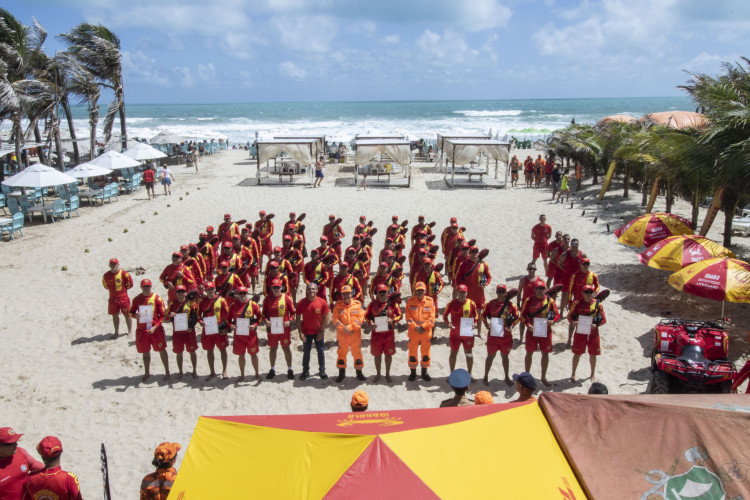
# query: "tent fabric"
463,151
397,149
320,140
672,446
617,119
469,452
676,119
38,175
300,150
440,145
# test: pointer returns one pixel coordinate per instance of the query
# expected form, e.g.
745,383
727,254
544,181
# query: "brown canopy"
675,119
616,118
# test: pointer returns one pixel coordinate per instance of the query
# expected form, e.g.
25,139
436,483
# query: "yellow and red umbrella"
470,452
651,228
676,252
716,279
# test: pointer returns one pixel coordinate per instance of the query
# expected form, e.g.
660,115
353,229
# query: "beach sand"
65,377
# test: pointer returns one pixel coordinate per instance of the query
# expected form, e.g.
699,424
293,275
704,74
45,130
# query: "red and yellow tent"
487,451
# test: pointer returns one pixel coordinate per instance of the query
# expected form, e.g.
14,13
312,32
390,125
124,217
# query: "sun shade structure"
167,137
716,279
114,161
463,151
675,119
487,451
650,228
396,148
616,119
304,151
85,170
675,252
321,145
140,151
38,175
440,144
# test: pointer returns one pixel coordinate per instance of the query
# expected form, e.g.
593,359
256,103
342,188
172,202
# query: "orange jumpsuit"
420,313
157,485
348,319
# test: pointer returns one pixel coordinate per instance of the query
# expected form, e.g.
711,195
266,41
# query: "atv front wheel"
660,383
653,360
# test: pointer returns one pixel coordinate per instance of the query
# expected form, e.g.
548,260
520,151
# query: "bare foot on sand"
486,381
210,377
545,381
145,377
241,379
388,379
377,378
508,381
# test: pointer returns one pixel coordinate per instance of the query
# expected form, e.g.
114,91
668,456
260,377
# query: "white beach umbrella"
141,151
38,175
167,137
114,160
85,170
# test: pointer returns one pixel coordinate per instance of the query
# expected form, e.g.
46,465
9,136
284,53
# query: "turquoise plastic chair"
24,203
58,209
73,206
13,206
2,203
15,225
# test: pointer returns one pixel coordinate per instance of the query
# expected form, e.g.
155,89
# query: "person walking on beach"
515,166
382,315
348,316
528,171
278,313
570,263
214,314
564,187
149,178
319,174
183,314
540,234
539,313
15,465
166,179
53,481
158,484
499,317
245,316
420,316
313,316
586,316
463,320
551,253
148,309
556,180
118,282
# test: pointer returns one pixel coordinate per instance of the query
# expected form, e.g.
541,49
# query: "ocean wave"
501,112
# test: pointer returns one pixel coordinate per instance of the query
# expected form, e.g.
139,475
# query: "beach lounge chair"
115,187
73,204
15,225
742,225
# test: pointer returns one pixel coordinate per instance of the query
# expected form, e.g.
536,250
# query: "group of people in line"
211,290
548,170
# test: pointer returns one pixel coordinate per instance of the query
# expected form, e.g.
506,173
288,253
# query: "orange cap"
360,399
483,398
166,452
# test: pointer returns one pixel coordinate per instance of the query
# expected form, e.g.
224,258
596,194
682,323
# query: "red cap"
242,289
227,216
183,247
49,447
273,263
362,218
114,261
395,217
203,235
420,217
235,236
501,287
224,263
463,288
427,260
381,287
276,282
474,249
388,253
8,435
292,214
539,283
277,249
350,250
262,213
209,284
331,216
453,220
176,254
383,264
588,288
287,237
464,244
180,288
192,245
422,250
210,229
324,238
146,282
585,261
343,263
454,224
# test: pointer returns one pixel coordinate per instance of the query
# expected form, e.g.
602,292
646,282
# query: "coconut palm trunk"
71,127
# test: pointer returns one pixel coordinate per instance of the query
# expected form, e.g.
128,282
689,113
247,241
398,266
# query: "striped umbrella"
716,279
651,228
675,252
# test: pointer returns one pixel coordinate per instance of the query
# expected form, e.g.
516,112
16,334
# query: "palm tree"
97,49
80,83
726,101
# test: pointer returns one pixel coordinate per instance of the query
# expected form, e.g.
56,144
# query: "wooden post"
654,192
713,209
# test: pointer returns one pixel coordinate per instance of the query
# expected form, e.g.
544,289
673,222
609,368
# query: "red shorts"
266,247
118,305
559,278
551,269
144,342
245,344
534,344
284,339
503,344
478,297
182,341
581,342
540,250
383,343
457,341
208,342
565,281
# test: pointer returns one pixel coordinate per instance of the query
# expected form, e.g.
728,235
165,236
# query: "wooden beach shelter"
298,158
383,156
321,145
470,152
440,145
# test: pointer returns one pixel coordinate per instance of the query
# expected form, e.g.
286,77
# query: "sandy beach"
66,377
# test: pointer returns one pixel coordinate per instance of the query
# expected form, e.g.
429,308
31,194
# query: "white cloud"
479,15
184,76
291,70
365,28
705,63
448,49
391,39
143,68
306,33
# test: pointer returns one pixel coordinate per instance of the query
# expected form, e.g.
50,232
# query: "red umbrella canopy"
716,279
650,228
676,252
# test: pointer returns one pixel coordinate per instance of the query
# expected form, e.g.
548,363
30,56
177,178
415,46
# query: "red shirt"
376,308
13,473
456,310
117,283
281,306
571,264
188,307
493,309
583,308
541,234
249,309
471,273
333,232
53,483
216,306
528,287
316,272
148,175
151,300
265,228
312,313
538,308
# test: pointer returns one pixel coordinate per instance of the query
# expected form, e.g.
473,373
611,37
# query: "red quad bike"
691,356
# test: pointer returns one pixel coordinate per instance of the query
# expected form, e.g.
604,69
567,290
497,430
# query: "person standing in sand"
118,282
383,337
148,309
245,316
420,316
463,320
587,334
540,234
525,290
515,166
539,313
278,313
500,333
149,178
166,179
214,314
183,328
319,174
313,315
348,316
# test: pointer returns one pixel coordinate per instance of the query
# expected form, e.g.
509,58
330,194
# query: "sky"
195,51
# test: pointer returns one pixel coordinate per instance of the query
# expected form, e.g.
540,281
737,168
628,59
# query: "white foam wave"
500,112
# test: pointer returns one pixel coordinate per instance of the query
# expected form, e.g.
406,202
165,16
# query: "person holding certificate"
463,315
539,313
586,316
382,315
278,313
420,316
148,309
577,282
214,312
499,317
183,314
244,317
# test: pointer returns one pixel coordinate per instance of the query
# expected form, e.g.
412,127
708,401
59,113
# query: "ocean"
341,121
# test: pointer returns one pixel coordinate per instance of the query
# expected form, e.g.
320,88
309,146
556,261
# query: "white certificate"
540,327
243,326
497,327
584,324
277,325
180,322
210,325
146,314
467,327
381,323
